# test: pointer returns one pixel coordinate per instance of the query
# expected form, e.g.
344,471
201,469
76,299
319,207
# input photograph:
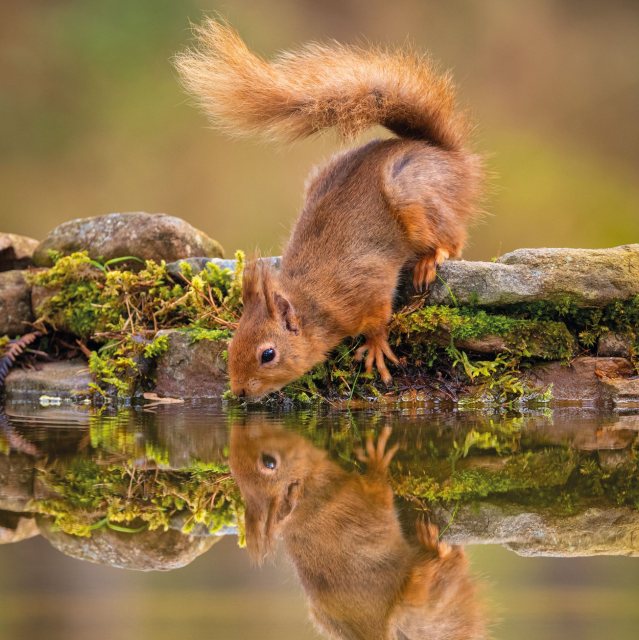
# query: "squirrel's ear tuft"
286,313
250,283
257,285
257,542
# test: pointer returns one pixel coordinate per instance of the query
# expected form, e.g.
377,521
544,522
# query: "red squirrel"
367,212
363,577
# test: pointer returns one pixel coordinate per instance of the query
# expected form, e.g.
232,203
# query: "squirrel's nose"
241,393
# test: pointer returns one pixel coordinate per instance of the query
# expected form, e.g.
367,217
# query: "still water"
191,521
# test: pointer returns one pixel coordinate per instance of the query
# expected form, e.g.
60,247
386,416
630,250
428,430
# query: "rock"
16,482
612,344
588,277
623,391
15,303
144,551
143,235
16,251
191,369
15,527
51,383
199,264
587,380
593,531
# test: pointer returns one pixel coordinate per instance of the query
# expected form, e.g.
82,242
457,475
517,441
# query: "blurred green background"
93,120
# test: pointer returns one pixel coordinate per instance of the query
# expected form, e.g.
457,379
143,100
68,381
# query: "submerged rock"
15,303
191,369
50,383
16,251
144,551
588,277
143,235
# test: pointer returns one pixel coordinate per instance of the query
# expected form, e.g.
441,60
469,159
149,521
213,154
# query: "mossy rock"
115,235
482,332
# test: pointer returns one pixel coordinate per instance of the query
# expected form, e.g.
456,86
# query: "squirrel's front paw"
375,456
377,347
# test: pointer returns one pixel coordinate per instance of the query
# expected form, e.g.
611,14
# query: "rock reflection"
363,575
561,482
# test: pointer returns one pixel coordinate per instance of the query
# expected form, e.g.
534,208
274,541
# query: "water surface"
130,519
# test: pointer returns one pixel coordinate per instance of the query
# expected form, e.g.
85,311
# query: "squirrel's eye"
269,462
268,355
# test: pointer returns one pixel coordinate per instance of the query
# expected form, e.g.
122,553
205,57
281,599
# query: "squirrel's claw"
375,348
376,456
425,270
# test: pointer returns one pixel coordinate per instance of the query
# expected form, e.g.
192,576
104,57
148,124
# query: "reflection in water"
364,578
153,491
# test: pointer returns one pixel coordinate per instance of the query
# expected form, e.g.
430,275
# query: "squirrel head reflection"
363,576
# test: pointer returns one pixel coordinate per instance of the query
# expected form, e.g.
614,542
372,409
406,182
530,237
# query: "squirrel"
363,577
368,212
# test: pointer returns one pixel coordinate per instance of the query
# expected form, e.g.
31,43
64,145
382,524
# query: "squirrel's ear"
286,313
262,519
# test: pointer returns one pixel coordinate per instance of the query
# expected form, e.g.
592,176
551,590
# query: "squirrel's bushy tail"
320,86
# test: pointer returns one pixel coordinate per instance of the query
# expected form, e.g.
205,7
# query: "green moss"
546,340
587,324
87,496
118,312
157,347
113,371
79,302
196,334
426,340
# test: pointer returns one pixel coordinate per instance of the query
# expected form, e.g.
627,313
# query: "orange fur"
363,577
368,211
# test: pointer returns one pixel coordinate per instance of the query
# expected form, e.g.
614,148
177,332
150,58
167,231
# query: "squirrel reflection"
363,577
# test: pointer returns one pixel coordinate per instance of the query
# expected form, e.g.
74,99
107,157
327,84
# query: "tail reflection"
364,577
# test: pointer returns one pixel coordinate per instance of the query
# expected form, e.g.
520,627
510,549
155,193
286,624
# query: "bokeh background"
47,596
93,120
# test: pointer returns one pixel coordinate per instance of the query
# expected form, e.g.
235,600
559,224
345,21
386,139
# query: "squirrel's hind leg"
425,270
428,537
420,188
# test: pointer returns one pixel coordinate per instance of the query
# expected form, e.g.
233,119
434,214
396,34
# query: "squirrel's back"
320,86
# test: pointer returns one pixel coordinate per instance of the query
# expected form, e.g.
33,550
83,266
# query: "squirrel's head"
269,348
270,466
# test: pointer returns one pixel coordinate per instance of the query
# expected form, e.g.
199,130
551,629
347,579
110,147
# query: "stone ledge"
58,380
588,277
